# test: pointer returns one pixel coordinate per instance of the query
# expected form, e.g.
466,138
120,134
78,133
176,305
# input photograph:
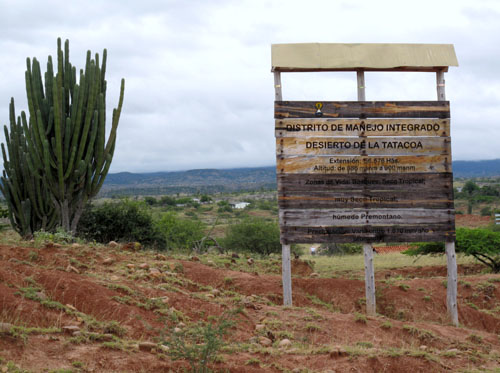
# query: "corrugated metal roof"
381,57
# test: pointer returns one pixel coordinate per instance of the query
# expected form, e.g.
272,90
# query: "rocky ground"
89,308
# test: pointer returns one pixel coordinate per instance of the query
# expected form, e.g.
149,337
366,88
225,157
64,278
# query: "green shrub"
179,233
224,206
167,201
199,343
122,220
340,249
253,235
482,244
151,201
486,211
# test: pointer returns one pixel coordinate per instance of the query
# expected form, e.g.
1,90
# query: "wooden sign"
361,127
363,165
384,175
362,109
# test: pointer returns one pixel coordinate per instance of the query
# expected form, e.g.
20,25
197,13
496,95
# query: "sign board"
364,171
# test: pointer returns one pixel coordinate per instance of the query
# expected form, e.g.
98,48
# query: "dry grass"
325,265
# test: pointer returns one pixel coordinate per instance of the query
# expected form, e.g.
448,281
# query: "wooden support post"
440,85
451,258
278,96
360,74
451,286
371,306
287,275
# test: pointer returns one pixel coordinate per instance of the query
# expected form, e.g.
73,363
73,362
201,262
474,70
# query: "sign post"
364,171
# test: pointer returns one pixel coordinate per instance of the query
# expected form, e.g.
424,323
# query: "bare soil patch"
119,299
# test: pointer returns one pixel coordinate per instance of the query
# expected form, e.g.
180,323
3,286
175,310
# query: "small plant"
273,324
199,343
364,344
178,268
359,317
228,280
423,335
386,325
253,361
486,287
284,334
315,300
77,364
475,338
60,236
310,327
427,298
472,305
33,256
404,287
465,284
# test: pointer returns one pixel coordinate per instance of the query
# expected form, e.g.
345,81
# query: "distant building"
240,205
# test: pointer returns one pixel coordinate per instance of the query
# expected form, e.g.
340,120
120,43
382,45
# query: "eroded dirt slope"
101,309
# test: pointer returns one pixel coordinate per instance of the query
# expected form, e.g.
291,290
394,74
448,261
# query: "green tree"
470,187
122,220
482,244
253,235
179,233
205,198
64,139
151,201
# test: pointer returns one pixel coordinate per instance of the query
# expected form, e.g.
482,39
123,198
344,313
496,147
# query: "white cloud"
199,92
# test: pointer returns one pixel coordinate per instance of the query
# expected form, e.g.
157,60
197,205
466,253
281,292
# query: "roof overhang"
305,57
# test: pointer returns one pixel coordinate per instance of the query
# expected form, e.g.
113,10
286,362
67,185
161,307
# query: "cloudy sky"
199,91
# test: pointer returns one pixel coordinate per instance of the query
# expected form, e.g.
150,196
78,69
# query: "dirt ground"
77,308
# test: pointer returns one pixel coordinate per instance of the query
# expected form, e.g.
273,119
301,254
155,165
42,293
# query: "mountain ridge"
209,180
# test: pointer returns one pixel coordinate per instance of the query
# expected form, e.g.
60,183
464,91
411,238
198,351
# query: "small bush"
179,233
340,249
124,220
151,201
253,235
360,318
482,244
199,343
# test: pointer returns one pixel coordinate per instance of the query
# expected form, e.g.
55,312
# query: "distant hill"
485,168
236,179
192,181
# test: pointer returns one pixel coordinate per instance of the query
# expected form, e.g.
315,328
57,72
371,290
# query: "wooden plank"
363,164
361,234
451,286
286,276
363,109
356,217
369,280
410,182
386,145
429,199
361,127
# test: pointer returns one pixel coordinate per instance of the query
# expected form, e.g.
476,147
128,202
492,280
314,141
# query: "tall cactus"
65,135
30,205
